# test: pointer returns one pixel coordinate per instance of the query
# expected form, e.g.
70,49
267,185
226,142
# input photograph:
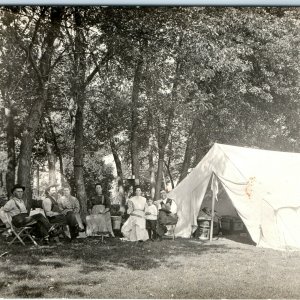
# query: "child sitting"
151,219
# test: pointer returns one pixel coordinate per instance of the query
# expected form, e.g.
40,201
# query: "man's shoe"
77,229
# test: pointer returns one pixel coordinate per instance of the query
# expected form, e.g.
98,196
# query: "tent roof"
276,173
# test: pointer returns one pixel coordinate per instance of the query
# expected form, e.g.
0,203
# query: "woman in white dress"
134,229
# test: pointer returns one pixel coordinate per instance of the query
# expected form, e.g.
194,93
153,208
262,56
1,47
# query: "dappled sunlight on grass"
169,269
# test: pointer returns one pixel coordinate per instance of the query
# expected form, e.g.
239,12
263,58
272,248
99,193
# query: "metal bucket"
204,229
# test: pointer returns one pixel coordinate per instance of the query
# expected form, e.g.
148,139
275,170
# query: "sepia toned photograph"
149,152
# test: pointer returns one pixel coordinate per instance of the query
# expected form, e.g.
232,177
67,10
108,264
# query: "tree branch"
91,76
36,28
57,60
28,50
104,59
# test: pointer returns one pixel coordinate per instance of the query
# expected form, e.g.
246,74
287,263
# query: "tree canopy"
154,87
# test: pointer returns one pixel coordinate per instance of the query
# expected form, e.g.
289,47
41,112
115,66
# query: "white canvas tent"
263,186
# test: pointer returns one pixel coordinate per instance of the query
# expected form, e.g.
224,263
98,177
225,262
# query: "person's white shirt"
152,209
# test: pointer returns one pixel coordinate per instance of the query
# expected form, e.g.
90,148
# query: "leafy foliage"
227,75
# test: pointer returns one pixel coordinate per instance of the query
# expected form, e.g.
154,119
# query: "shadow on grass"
25,291
92,255
245,239
89,257
19,273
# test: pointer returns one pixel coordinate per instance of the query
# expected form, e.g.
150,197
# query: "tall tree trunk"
159,177
151,154
42,69
164,134
169,172
11,154
51,164
168,164
151,169
187,159
188,152
79,94
162,143
78,160
79,97
27,140
135,166
199,153
202,146
119,173
56,150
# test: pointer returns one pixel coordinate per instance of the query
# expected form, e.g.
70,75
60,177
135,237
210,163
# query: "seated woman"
134,229
99,220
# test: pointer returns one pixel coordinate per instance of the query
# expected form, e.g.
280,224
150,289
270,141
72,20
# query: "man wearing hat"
56,213
167,214
16,209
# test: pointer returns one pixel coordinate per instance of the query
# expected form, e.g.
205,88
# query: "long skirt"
134,229
98,222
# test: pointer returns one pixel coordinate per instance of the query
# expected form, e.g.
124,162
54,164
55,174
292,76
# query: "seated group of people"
59,209
147,220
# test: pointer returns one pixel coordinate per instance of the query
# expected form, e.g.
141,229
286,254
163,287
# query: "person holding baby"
167,214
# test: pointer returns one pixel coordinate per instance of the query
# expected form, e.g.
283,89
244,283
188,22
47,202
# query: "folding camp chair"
21,233
3,228
171,231
61,229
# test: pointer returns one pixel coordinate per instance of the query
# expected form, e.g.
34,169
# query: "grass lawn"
184,268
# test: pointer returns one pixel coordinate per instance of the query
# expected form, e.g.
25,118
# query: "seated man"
56,214
68,203
16,209
167,214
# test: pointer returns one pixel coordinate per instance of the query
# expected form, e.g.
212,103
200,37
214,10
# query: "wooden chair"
171,232
21,233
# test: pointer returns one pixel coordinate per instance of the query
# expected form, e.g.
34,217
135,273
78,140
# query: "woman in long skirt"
99,220
134,229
